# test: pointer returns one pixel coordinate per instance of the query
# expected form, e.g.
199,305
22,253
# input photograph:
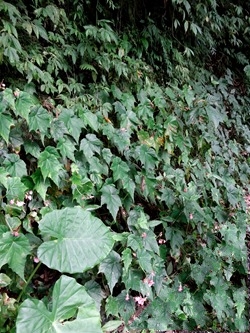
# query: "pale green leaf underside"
80,240
68,298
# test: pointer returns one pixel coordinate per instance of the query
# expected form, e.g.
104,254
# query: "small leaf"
121,139
90,145
82,187
107,155
144,259
239,296
12,222
150,242
129,185
168,196
127,258
49,164
23,104
39,119
5,123
41,184
175,237
68,299
15,166
112,269
120,169
215,116
15,189
3,176
14,250
112,325
79,240
66,148
111,198
4,280
95,291
220,301
32,148
8,99
72,123
234,195
147,156
90,119
188,95
119,305
133,278
58,129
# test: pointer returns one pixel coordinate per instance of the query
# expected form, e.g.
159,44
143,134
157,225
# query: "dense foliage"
124,165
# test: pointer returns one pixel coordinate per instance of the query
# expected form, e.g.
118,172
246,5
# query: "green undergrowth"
124,172
138,196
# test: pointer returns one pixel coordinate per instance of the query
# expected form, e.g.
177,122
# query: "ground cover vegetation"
124,165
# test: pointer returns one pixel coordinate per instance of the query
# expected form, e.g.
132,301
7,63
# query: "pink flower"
149,282
140,300
36,260
144,235
12,202
191,216
19,203
161,241
28,195
180,288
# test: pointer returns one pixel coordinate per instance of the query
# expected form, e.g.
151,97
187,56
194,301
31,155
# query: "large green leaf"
79,241
14,250
68,298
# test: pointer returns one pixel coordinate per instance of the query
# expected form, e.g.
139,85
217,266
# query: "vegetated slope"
125,165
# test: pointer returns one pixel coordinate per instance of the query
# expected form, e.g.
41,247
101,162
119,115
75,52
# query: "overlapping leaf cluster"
132,187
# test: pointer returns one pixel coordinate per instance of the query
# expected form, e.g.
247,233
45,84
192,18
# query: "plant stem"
28,281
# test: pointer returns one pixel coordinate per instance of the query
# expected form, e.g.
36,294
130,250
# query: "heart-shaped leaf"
80,240
68,297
